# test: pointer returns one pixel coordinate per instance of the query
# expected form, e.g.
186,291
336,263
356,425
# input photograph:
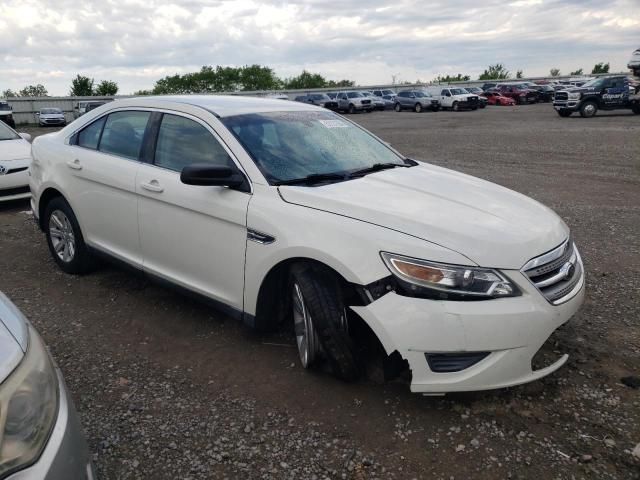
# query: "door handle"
153,186
75,165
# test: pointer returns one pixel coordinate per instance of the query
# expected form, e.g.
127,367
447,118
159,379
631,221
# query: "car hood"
14,149
491,225
13,337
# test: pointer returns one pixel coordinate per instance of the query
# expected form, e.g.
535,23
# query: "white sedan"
15,157
286,214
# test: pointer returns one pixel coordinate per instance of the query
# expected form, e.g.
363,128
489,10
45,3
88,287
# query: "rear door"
194,236
103,163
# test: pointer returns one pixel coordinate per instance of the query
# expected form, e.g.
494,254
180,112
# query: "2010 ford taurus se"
285,212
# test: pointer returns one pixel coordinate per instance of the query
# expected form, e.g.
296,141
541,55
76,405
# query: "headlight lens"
443,281
28,408
574,95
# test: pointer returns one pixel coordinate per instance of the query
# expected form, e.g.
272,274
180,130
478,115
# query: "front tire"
397,107
320,320
455,107
352,109
417,108
588,109
65,239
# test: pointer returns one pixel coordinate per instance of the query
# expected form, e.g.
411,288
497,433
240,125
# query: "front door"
194,236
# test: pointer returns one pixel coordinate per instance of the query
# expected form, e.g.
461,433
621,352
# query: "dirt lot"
167,388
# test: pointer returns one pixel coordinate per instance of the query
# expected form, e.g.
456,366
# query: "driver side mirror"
205,174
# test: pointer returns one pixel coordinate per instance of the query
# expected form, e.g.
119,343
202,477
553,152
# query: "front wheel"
455,107
417,108
397,107
588,109
65,239
320,320
352,109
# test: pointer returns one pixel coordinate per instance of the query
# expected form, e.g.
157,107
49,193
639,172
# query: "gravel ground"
167,388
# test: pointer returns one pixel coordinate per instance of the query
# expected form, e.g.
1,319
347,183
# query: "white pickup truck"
454,98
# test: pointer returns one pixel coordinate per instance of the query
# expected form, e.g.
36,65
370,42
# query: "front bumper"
566,105
14,182
66,455
511,330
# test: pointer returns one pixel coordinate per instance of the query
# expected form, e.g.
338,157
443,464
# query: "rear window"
123,133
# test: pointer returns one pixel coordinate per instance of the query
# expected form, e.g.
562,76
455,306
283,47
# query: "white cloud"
135,42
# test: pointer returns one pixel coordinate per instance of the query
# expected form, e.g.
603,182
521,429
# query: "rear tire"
351,109
397,107
65,239
588,109
321,293
454,107
417,108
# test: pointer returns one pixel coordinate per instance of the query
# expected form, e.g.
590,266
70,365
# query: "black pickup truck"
619,92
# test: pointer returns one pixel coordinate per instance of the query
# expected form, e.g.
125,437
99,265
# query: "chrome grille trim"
557,274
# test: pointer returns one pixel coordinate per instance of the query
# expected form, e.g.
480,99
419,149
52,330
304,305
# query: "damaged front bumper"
471,345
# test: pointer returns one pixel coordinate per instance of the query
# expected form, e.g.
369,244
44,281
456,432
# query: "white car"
51,116
285,212
15,157
454,98
41,434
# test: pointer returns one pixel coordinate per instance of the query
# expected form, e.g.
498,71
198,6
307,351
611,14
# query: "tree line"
211,79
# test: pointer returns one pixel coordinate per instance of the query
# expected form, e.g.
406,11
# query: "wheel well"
46,196
272,310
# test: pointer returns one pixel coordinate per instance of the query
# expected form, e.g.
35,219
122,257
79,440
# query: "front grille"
472,100
366,102
7,192
556,273
563,96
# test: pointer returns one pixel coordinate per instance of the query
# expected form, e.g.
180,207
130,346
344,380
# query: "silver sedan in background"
40,435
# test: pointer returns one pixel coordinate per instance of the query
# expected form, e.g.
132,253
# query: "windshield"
421,95
6,133
4,106
595,83
318,96
354,95
292,145
49,111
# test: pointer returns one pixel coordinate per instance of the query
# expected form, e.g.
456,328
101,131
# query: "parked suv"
353,102
287,215
454,98
416,100
320,99
6,114
602,93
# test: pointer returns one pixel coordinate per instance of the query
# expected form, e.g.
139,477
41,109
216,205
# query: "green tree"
305,80
577,72
495,72
33,91
554,72
519,74
142,93
81,86
451,78
341,83
600,68
8,93
256,77
106,88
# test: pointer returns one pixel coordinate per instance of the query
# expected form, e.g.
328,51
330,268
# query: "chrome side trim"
259,237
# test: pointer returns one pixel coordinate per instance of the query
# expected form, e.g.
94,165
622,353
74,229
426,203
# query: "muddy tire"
65,239
322,296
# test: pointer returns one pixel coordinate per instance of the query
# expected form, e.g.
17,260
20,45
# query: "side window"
89,136
123,133
182,142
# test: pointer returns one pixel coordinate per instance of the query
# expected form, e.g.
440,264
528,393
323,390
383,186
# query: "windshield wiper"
376,167
312,179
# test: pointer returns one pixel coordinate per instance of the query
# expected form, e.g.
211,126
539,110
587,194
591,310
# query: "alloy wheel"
62,237
306,337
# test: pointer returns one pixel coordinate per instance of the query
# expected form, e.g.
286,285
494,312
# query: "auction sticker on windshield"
333,123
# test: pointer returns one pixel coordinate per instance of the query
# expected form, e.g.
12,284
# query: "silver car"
40,435
353,102
51,116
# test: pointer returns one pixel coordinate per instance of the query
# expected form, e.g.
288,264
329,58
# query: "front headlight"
574,95
453,282
28,408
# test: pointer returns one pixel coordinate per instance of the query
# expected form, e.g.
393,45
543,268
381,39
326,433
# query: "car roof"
220,105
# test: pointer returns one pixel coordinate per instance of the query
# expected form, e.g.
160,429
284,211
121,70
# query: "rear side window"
90,136
123,134
182,142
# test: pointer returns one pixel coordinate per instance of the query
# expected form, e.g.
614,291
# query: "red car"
495,98
519,92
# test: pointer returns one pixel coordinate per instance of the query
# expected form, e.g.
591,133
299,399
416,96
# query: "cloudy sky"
135,42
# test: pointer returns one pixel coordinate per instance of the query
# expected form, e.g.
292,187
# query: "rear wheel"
417,108
352,108
397,107
65,239
455,107
588,109
320,320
